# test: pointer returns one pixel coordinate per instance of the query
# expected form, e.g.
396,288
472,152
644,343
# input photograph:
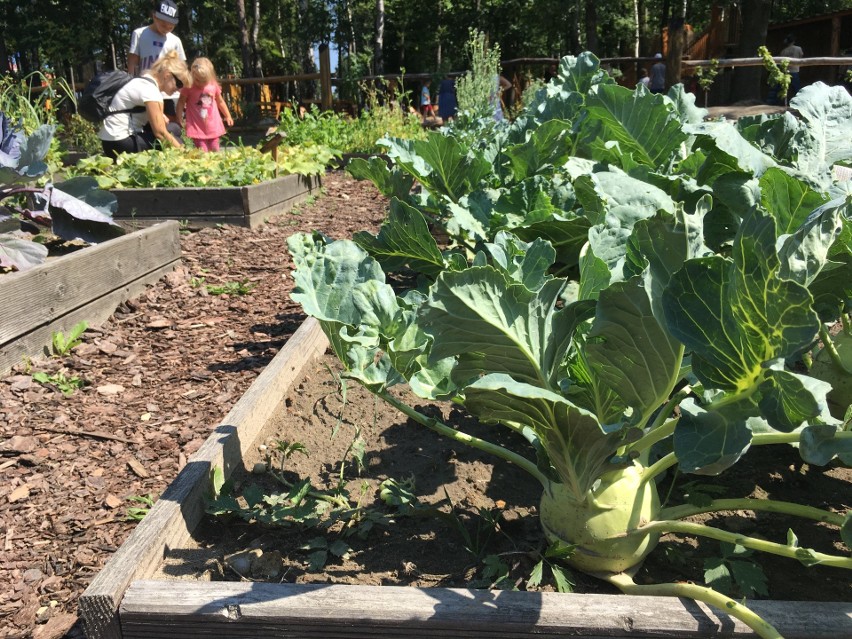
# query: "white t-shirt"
137,92
150,46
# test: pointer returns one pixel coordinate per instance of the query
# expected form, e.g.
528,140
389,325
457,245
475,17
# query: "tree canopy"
277,36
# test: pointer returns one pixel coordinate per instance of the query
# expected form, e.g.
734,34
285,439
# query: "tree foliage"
57,36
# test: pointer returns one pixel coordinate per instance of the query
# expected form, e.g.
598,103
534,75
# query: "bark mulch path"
160,374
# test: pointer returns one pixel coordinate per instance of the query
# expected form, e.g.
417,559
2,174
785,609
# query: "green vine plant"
778,74
706,76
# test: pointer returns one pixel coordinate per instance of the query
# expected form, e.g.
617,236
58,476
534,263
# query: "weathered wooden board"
176,513
242,610
86,285
248,206
124,603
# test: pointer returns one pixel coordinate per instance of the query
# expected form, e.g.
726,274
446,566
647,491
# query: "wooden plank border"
84,285
248,206
248,610
172,519
124,603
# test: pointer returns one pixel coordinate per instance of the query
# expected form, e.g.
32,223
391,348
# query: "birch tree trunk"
257,62
636,31
379,39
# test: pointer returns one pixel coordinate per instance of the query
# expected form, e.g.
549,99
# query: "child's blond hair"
203,69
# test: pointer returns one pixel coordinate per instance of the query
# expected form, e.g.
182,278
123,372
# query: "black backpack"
93,105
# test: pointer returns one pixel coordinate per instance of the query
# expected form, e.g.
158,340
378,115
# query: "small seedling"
231,288
137,513
62,344
66,385
561,575
735,573
320,548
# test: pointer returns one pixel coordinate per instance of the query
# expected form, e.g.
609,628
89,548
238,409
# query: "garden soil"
164,370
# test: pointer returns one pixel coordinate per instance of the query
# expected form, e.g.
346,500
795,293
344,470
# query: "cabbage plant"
629,288
74,210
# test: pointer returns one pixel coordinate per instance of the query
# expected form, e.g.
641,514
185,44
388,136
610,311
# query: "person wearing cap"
149,44
658,75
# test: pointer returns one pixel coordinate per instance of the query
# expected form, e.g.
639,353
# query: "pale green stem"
660,466
762,439
784,550
709,596
657,434
464,438
733,398
831,349
764,505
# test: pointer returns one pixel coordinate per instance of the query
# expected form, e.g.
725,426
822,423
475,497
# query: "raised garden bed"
248,206
343,160
123,600
86,285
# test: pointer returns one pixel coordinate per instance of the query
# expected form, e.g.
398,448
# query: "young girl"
203,107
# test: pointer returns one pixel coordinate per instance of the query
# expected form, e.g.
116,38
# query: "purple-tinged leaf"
74,219
19,253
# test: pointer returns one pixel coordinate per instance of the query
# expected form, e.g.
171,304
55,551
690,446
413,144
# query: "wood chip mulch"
160,375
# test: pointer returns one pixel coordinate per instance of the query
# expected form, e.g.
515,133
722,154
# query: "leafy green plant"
62,344
495,574
66,385
735,573
779,77
34,100
184,167
137,513
73,210
78,134
475,90
346,134
556,552
706,77
230,288
618,277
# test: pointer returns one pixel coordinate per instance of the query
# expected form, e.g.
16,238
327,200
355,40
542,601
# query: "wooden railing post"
325,77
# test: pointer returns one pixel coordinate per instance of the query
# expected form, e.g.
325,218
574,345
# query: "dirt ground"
169,365
159,376
468,487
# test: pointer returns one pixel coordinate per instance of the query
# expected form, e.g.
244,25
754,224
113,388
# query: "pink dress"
203,120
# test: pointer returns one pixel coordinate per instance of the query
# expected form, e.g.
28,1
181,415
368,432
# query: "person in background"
644,80
201,108
501,84
149,44
426,109
792,50
657,82
447,102
132,132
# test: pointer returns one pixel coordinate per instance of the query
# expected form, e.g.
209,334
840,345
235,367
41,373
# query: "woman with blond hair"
203,107
136,121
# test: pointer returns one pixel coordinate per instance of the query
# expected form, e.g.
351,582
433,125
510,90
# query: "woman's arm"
223,109
158,123
180,109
